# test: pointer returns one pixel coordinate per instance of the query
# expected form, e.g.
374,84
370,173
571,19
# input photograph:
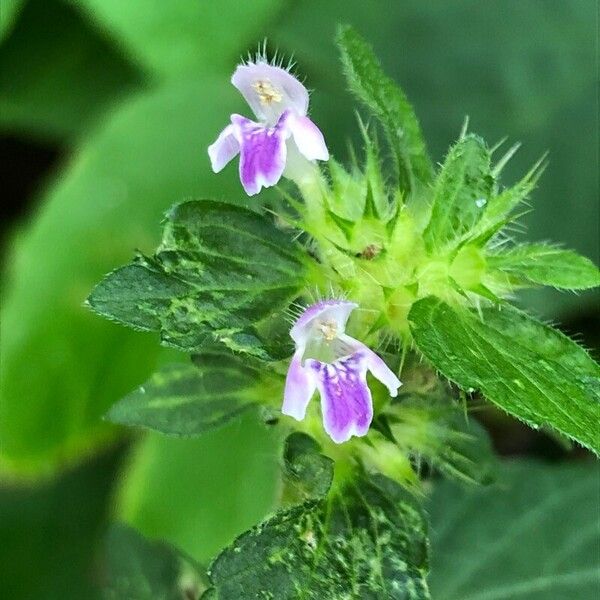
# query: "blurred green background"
106,110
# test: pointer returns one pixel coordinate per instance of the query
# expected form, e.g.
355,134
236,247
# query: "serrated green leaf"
147,570
528,369
307,472
462,189
219,271
544,264
185,399
368,541
389,104
534,536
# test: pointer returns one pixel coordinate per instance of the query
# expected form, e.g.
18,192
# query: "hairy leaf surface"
218,273
367,541
186,399
389,104
462,190
528,369
544,264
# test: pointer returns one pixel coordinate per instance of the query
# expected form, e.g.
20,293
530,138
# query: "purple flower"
334,363
280,103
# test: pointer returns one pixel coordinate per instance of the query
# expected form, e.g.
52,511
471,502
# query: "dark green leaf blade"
81,75
184,399
528,369
367,541
461,192
220,271
183,39
147,570
540,524
544,264
307,472
389,104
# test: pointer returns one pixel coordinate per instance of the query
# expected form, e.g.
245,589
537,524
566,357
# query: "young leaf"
528,369
184,399
147,570
546,265
462,190
532,537
389,104
219,272
367,541
307,472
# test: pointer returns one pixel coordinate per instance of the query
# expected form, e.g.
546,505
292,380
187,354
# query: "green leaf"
8,15
367,541
528,369
147,570
307,472
80,76
389,104
219,271
461,191
50,532
534,536
199,493
544,264
69,364
183,38
187,399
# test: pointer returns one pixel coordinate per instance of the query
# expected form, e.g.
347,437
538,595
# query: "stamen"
329,330
267,94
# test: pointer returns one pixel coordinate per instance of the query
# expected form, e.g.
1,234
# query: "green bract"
428,258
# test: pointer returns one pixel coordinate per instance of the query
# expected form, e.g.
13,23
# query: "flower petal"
325,310
299,387
308,137
263,152
270,90
382,372
224,148
345,397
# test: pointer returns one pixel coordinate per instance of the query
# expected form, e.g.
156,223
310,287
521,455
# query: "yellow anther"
329,330
267,94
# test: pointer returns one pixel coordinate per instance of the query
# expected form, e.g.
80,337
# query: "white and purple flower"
284,134
336,364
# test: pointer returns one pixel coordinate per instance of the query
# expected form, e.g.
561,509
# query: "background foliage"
126,97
